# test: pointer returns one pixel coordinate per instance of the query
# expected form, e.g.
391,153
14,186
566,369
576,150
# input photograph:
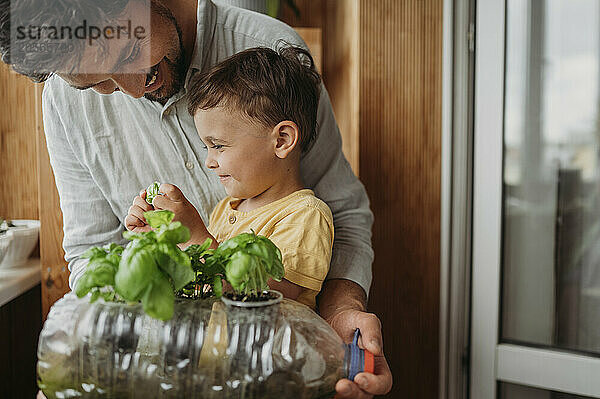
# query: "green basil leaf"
157,218
239,269
137,270
212,265
276,270
273,265
270,245
113,248
147,236
108,296
228,247
261,250
217,286
158,300
94,252
176,264
99,273
152,192
173,233
95,296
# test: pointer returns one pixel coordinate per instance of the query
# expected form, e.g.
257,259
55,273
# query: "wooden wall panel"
18,146
400,161
341,71
382,67
55,275
311,14
338,21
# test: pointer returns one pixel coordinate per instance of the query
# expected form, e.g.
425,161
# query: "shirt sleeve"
325,169
88,219
304,238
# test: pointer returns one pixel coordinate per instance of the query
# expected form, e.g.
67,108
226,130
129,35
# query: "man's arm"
88,219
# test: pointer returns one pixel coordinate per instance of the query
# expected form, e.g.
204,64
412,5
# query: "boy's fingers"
142,204
132,221
162,202
137,212
171,191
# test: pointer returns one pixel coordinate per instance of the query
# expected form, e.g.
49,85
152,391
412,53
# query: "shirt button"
189,165
232,219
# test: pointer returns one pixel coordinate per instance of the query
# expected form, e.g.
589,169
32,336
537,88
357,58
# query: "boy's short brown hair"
267,86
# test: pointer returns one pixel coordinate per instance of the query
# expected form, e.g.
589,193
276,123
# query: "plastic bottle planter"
209,349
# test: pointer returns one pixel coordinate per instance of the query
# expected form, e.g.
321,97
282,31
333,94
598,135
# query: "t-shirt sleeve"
305,238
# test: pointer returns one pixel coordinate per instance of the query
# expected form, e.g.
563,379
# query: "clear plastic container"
209,349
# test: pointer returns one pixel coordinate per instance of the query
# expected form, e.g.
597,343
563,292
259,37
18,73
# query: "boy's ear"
287,137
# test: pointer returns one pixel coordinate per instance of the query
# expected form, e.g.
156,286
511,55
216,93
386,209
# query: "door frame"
491,360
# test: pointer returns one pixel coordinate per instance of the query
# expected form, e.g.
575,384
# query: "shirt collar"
206,14
205,31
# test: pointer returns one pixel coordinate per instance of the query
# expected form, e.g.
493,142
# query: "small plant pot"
259,320
275,297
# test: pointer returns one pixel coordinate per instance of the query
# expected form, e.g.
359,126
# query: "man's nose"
131,84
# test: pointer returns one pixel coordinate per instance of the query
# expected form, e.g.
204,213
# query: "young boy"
256,113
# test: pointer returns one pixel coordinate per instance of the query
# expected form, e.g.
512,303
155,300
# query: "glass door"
535,330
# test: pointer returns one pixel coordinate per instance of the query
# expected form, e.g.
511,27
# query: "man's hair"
38,64
266,86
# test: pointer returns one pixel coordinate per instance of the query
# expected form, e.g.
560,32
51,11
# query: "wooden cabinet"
21,323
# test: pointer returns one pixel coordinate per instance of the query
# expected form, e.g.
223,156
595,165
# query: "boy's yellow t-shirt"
301,225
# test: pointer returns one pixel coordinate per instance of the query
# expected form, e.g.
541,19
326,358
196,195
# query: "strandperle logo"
85,31
91,37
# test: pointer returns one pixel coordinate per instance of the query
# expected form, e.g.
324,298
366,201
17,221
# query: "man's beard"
173,80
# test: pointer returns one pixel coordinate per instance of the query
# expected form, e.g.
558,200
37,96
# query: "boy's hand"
174,201
135,220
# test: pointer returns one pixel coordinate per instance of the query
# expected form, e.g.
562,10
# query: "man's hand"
342,304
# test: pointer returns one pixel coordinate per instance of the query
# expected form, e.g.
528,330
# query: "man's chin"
162,94
168,89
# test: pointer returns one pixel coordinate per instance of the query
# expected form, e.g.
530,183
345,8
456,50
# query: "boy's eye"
217,146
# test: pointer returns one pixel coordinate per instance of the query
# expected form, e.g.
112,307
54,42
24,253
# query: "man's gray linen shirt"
104,149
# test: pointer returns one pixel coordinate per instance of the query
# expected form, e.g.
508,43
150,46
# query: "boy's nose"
211,163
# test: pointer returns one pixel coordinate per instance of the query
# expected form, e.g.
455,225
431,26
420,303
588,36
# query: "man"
138,56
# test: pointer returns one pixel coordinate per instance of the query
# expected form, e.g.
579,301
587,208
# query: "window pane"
513,391
551,216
